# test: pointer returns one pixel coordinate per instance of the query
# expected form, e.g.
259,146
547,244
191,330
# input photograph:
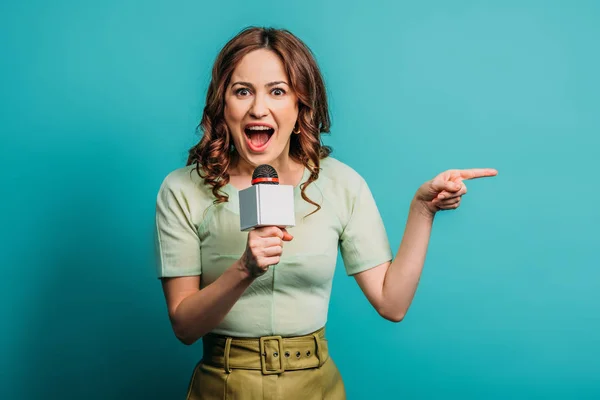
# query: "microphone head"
265,174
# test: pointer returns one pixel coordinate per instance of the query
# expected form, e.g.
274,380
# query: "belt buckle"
263,355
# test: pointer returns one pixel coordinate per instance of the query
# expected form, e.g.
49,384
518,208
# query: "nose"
259,108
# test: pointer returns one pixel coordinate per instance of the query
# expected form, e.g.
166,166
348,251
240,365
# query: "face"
261,110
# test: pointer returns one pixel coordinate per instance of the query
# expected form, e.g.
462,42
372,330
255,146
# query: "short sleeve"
177,241
364,243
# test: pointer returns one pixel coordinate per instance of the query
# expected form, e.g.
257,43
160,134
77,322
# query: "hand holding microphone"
266,209
264,248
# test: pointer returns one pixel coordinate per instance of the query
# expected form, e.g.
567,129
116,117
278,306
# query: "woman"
259,300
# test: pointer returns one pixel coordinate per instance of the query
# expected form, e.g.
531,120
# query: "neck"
287,168
283,165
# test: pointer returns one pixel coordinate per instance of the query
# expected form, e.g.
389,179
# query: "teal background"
100,100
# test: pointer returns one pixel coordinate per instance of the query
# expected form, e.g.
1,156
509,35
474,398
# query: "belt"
270,354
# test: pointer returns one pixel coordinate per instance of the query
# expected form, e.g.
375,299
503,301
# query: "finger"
268,261
447,195
449,202
273,251
477,173
271,241
449,186
270,231
286,235
449,205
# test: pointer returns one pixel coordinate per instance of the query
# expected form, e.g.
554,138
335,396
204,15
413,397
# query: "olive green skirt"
266,368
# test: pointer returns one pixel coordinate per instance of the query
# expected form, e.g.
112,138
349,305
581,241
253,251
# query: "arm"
194,312
390,287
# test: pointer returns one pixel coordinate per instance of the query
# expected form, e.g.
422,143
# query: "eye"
242,92
278,92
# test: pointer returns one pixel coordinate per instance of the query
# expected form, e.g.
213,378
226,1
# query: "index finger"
270,231
474,173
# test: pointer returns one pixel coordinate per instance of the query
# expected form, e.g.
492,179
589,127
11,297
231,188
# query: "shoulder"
184,183
339,183
343,187
340,174
185,178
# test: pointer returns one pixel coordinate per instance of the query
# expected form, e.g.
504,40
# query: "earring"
296,131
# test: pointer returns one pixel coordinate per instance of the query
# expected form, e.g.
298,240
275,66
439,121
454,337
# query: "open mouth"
258,136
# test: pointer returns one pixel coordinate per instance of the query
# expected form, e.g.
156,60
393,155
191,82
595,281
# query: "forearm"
200,312
402,276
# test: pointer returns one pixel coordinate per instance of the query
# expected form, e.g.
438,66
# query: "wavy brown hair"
212,155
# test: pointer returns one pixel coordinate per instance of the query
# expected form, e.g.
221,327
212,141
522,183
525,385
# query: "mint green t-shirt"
196,237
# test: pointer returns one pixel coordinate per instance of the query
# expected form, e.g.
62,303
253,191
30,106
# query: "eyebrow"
267,85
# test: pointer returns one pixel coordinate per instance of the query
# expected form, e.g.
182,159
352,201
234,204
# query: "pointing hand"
445,191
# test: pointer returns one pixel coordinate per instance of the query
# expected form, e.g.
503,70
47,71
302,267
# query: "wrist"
243,271
422,209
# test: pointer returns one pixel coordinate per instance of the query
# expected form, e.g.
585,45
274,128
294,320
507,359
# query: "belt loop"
318,348
226,356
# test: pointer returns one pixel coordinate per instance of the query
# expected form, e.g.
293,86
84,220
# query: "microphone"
266,202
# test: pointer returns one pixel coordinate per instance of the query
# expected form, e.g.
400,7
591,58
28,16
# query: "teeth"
258,128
